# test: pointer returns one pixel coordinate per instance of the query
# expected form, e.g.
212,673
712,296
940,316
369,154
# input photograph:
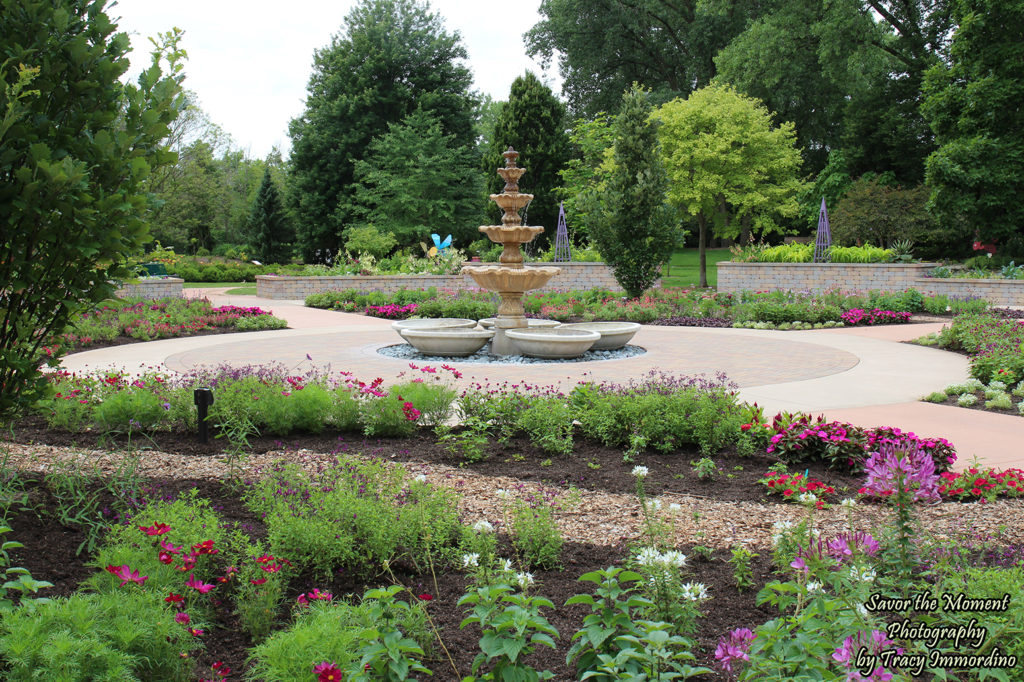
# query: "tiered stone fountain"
510,279
512,333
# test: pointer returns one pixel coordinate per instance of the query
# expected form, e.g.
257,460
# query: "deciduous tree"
728,165
416,180
974,106
76,144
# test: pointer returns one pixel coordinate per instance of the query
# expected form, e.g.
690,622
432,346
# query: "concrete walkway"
861,375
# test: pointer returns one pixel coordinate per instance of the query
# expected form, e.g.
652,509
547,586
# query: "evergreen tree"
635,233
392,57
415,181
268,225
533,123
974,106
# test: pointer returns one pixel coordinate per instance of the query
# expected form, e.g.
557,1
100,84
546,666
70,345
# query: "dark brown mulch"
591,465
51,553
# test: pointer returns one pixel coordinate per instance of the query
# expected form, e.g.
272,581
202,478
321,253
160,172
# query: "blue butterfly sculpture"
441,245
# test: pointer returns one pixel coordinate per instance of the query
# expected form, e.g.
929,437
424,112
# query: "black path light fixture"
203,398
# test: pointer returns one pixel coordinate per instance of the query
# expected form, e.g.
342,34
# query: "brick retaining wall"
164,287
574,277
894,277
1000,292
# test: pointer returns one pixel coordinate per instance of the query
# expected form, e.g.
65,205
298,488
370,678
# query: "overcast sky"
249,62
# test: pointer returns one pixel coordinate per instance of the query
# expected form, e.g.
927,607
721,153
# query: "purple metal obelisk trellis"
823,240
562,252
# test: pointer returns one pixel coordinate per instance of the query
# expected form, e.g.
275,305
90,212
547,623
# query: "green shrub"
353,515
709,419
549,424
1001,401
259,323
936,397
129,410
330,632
125,635
535,534
435,401
368,239
299,409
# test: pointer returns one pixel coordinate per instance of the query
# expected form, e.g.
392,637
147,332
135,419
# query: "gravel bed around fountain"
403,351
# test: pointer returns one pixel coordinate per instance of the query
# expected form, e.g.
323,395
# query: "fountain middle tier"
504,279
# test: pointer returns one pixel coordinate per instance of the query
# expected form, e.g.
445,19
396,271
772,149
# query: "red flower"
198,585
258,581
327,672
158,529
174,598
127,575
425,596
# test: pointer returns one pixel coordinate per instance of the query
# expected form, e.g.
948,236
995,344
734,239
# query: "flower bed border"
891,277
575,276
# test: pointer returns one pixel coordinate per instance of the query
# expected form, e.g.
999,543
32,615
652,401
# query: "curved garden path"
861,375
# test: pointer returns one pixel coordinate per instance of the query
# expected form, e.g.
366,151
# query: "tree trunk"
702,255
744,230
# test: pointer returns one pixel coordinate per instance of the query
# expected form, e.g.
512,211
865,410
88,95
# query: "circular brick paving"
748,360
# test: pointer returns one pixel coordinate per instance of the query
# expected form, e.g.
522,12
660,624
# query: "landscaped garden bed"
384,493
118,322
676,307
994,341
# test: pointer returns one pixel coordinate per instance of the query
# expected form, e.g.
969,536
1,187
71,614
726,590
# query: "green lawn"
682,269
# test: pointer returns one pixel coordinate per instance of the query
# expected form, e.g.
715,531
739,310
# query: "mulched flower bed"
49,553
591,466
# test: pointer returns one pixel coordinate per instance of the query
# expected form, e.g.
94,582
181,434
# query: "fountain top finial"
510,157
511,172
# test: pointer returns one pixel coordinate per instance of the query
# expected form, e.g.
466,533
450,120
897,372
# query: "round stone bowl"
613,334
555,344
433,323
488,323
447,341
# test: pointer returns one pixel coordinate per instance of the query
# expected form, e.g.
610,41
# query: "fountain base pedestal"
500,344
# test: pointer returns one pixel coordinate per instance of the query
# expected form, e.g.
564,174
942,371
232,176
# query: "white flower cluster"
469,560
814,587
694,591
675,507
524,580
654,505
807,498
422,478
640,471
483,527
649,556
848,503
503,494
779,530
864,575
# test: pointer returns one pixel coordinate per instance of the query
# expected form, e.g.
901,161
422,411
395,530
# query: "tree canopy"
76,145
391,57
416,180
974,106
728,165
